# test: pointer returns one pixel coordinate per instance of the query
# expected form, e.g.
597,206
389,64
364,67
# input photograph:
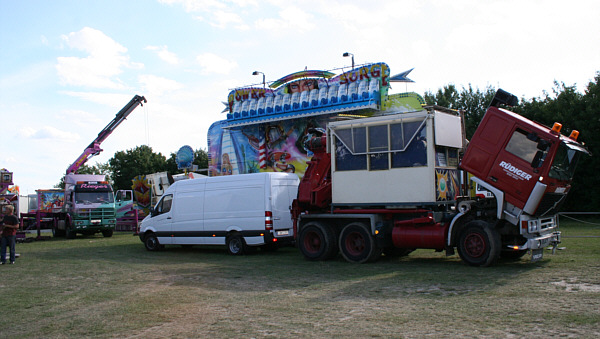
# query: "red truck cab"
533,166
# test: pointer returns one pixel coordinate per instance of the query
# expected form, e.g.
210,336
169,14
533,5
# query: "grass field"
114,288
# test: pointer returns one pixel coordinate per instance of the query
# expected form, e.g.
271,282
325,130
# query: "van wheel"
317,241
107,233
357,244
151,242
236,244
479,244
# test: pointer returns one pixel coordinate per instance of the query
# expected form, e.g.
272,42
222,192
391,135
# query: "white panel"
448,130
402,185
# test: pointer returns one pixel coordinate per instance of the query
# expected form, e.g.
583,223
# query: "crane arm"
94,147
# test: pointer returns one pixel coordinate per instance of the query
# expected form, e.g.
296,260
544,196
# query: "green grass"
113,287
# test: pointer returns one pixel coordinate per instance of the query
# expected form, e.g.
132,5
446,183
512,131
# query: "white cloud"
195,5
164,53
48,132
219,14
212,63
221,19
155,86
291,18
113,100
106,59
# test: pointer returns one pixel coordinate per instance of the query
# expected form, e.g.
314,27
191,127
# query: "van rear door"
283,192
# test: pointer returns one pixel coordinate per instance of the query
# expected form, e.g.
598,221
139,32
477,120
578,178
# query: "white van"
240,211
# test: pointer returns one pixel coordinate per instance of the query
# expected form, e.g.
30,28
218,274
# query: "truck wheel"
236,244
479,244
317,241
70,234
107,233
151,242
357,244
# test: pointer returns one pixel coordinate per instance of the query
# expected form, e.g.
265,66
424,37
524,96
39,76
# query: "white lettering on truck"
517,173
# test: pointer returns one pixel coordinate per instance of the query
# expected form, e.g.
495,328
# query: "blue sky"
67,67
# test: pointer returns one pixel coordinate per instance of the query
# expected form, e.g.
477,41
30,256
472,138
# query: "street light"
263,74
350,54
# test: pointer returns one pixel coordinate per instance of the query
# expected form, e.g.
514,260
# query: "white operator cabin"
396,159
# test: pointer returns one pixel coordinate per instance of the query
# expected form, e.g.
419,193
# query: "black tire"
107,233
512,255
70,234
357,244
236,244
479,244
151,242
317,241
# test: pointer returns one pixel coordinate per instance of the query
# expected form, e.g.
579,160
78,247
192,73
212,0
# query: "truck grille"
550,204
102,213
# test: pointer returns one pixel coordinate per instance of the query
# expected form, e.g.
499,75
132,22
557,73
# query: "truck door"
162,219
516,169
124,203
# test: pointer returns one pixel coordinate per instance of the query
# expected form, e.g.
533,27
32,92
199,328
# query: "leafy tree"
126,165
473,102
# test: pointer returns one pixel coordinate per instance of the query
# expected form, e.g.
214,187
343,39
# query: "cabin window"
361,148
410,141
350,149
378,148
446,157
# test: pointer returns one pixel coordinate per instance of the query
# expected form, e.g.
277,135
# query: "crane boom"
94,147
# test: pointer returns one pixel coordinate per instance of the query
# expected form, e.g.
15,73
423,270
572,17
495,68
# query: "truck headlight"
533,226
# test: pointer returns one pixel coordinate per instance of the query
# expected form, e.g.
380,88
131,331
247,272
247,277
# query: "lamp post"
263,74
349,54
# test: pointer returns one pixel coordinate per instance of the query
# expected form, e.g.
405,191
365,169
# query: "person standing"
10,224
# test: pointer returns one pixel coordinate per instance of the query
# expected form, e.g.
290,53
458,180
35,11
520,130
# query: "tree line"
564,104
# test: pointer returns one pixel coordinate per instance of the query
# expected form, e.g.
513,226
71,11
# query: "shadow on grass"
423,272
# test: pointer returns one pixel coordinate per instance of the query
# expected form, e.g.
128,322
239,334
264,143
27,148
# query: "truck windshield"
93,197
565,161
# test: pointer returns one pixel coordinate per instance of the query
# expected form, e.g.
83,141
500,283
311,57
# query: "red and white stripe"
262,154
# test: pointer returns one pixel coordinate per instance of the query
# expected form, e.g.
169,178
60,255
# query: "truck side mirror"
538,159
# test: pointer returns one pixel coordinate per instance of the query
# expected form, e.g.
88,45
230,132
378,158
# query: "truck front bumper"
550,239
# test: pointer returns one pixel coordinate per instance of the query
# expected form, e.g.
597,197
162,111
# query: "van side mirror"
153,212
